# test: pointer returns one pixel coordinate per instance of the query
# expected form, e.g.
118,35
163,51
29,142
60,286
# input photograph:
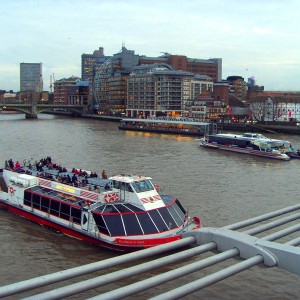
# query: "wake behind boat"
123,212
248,143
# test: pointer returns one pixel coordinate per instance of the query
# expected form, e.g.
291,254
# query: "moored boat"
247,143
169,125
125,212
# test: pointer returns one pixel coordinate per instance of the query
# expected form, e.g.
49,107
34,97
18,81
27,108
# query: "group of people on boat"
77,177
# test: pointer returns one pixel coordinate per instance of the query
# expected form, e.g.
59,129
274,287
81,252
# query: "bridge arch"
32,110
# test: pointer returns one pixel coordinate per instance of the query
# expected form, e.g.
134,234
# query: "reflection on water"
222,188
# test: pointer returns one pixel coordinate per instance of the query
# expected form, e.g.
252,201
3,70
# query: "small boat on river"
125,212
169,125
248,143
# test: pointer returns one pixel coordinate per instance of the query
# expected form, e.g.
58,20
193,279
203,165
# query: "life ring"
111,197
11,190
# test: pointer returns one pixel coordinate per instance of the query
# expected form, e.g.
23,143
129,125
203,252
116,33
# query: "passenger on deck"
84,182
97,189
75,171
68,179
107,187
94,175
11,164
104,175
74,178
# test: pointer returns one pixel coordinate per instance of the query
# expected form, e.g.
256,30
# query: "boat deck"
92,182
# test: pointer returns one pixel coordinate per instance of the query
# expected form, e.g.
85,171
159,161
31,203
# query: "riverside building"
110,82
210,67
61,87
158,90
110,79
31,77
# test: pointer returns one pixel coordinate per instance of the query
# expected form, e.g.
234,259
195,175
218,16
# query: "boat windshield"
142,186
254,135
270,144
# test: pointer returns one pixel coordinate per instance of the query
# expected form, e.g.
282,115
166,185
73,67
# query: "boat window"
109,209
159,222
36,199
147,224
27,198
76,214
114,224
132,207
132,225
45,204
179,218
116,184
100,223
167,199
54,207
128,188
142,186
169,220
64,211
180,207
122,208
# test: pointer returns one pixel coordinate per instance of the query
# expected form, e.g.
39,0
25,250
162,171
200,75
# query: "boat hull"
229,148
162,130
293,155
123,245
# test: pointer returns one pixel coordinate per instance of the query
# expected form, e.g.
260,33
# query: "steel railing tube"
82,270
121,274
210,279
167,276
284,232
264,217
272,224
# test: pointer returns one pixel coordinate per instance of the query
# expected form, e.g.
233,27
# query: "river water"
220,188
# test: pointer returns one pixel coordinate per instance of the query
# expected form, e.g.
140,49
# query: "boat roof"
270,141
245,136
129,178
185,121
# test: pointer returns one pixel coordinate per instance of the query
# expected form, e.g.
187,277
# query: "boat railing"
82,193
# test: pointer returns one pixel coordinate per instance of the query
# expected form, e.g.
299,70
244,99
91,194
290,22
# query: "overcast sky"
257,38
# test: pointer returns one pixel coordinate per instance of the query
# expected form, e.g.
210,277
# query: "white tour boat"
248,143
126,213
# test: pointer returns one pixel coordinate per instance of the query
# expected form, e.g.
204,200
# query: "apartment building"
111,75
157,89
61,89
210,67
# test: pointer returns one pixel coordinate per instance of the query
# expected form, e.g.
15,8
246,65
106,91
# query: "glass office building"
31,77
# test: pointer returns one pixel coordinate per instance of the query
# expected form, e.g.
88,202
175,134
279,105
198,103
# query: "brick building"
61,89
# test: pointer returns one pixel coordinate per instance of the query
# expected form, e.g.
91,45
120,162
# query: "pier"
237,240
